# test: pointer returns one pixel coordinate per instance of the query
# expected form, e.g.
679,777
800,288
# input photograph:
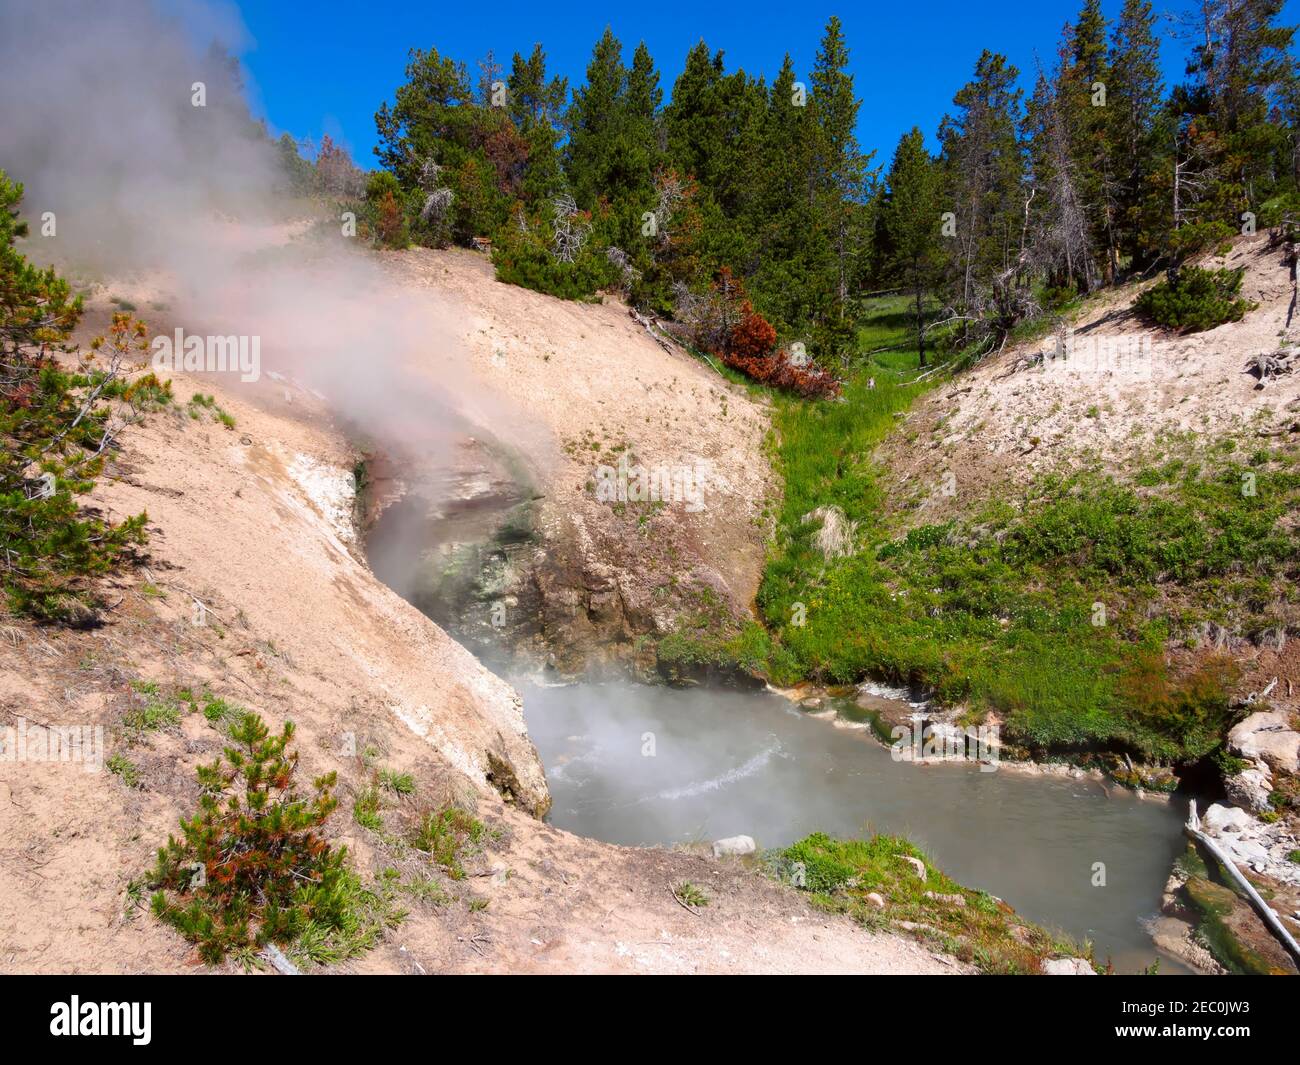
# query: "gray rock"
1267,736
733,845
916,864
952,900
1251,788
1219,820
1068,967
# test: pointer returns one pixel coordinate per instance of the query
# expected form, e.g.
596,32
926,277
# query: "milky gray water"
636,764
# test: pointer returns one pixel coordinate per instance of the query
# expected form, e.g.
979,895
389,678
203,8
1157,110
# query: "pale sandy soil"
252,523
997,427
588,374
991,431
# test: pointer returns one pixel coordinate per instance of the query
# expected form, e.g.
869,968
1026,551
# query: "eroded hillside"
253,595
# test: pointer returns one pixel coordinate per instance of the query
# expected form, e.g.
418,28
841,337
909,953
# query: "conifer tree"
910,221
535,106
1134,94
839,178
984,174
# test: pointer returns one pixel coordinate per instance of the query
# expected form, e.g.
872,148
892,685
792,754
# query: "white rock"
1267,736
916,864
1247,850
1251,788
1220,819
1068,967
952,900
734,845
876,900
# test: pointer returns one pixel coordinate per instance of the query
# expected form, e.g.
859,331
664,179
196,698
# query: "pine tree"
1061,243
535,106
839,178
1134,95
1082,109
792,254
56,430
910,221
428,117
692,130
984,173
1233,145
595,120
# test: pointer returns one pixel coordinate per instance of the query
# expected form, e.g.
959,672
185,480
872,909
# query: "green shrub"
385,212
523,254
1188,240
251,867
446,834
55,434
1194,299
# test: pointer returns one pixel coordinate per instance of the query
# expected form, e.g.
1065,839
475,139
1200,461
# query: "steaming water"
727,763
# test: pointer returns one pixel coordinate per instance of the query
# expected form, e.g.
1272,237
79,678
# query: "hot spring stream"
728,762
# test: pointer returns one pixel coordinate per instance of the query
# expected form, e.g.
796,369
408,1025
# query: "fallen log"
1270,919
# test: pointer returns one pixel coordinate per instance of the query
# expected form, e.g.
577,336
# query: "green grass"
1215,903
365,810
221,714
356,920
979,929
397,783
998,609
690,895
124,769
447,835
153,710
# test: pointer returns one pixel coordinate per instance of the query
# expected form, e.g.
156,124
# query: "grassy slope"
998,611
973,926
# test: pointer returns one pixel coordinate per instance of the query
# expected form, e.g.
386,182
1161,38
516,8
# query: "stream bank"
650,764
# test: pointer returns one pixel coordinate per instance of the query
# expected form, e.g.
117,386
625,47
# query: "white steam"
98,121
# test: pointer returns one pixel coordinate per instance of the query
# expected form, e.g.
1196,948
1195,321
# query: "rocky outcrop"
1267,737
1068,967
1257,845
1251,788
733,846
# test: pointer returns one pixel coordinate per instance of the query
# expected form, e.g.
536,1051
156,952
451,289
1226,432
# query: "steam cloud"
97,121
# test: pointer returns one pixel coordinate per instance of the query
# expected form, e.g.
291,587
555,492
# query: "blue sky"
325,67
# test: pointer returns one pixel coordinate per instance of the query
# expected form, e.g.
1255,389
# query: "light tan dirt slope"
254,524
601,389
1003,423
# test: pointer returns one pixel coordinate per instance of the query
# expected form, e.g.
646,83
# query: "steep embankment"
1180,420
253,523
620,415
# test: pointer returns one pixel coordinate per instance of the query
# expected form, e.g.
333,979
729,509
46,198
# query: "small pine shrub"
250,866
55,434
523,255
124,769
1195,299
1188,240
445,835
384,214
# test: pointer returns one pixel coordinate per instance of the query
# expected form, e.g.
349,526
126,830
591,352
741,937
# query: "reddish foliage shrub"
726,325
753,337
